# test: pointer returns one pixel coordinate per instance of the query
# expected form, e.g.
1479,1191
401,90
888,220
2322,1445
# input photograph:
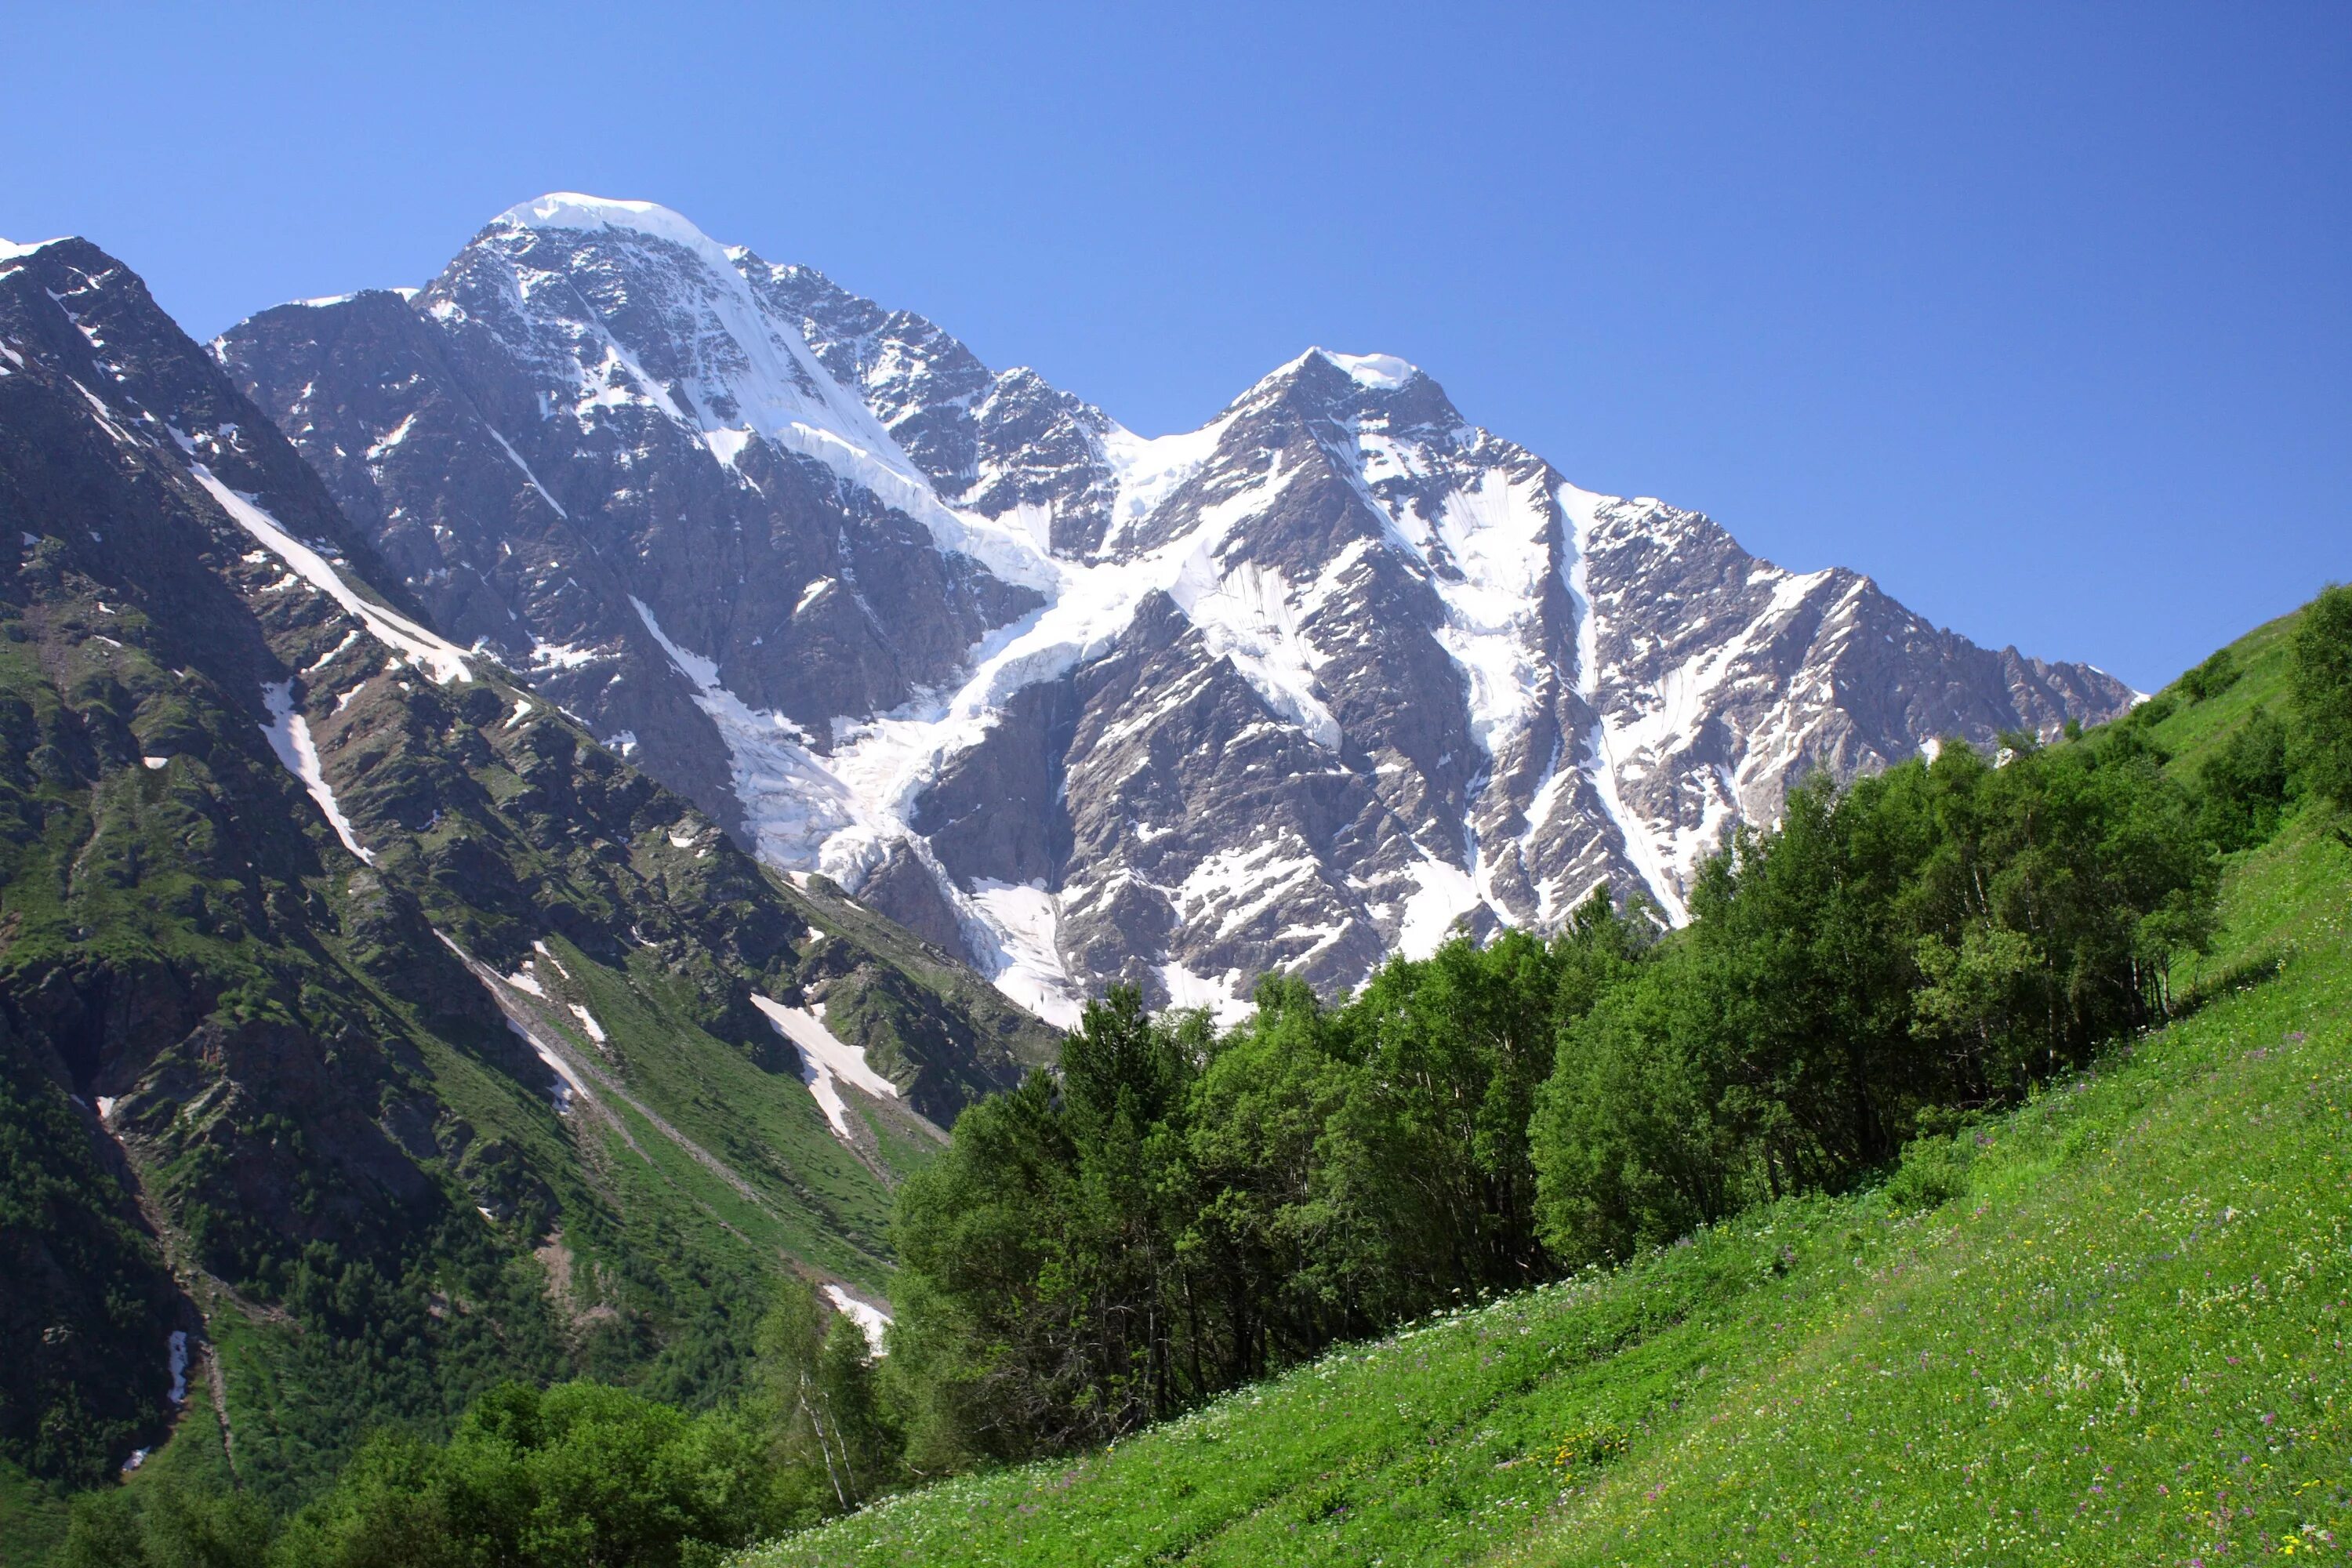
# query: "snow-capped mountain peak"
572,210
627,303
1379,373
1295,690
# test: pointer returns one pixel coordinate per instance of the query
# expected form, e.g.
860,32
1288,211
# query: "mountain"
370,1031
1294,690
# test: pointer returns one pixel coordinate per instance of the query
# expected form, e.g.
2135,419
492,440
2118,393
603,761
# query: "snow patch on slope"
516,458
1489,547
443,659
1027,920
871,1319
290,737
826,1060
1250,614
1146,470
567,1082
1220,994
1442,894
1583,509
793,803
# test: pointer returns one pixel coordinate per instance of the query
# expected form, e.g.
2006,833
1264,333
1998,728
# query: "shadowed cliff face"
357,978
1299,688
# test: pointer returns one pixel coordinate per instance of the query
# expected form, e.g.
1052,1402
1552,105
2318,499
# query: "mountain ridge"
1414,675
416,1038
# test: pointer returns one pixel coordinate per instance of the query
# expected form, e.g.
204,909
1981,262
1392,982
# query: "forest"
1177,1210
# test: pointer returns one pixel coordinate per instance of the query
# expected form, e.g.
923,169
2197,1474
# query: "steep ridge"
415,1037
1294,690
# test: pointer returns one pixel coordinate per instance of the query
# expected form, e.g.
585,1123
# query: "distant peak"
1380,373
1371,373
571,210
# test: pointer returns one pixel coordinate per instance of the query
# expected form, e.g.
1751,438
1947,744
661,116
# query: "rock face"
1295,691
355,959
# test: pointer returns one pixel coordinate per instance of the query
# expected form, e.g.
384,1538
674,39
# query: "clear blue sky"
2041,314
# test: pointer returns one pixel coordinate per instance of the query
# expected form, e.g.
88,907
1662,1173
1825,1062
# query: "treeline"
1179,1209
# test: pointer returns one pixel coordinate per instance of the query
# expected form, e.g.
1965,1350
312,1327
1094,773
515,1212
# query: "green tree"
103,1533
1047,1280
817,1399
1631,1145
166,1525
2245,785
580,1474
1455,1046
2216,675
1305,1233
1930,939
1979,997
2322,652
984,1237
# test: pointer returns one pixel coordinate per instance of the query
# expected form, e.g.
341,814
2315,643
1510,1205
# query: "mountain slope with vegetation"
369,1033
2103,1326
2092,1313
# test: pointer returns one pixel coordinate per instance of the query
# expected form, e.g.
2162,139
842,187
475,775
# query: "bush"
165,1525
2245,784
2323,694
579,1474
1933,1172
2212,677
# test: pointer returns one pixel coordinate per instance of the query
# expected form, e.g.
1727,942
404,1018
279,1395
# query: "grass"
31,1519
2260,660
2105,1328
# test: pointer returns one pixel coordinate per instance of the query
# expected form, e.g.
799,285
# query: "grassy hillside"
2106,1328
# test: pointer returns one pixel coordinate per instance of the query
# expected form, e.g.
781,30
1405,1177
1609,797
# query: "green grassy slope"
2107,1328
